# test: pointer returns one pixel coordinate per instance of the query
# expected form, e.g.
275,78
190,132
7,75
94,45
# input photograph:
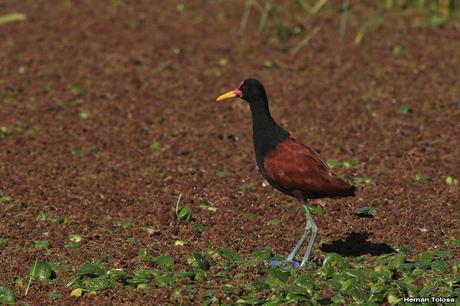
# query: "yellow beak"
228,95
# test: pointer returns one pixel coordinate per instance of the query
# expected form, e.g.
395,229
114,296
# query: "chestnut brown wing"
294,166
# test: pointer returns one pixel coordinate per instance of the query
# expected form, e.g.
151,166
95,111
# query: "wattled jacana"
286,164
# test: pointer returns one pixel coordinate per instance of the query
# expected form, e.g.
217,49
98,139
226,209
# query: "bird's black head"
250,90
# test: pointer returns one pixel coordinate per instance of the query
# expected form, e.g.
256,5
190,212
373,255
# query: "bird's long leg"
302,239
314,230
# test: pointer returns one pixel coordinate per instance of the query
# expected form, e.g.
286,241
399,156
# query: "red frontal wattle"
238,90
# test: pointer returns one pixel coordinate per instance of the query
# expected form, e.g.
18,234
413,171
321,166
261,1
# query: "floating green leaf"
96,284
246,186
40,270
7,295
209,207
12,18
75,237
231,254
92,269
422,177
76,292
5,198
404,109
77,90
199,261
223,173
84,114
54,295
346,163
41,244
184,213
124,223
365,211
451,181
361,181
165,261
155,146
72,245
263,253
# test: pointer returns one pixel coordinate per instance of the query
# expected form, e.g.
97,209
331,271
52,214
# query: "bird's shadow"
356,244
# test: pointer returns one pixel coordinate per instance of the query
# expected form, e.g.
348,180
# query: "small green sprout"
41,244
422,177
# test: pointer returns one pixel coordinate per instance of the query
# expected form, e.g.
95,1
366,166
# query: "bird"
288,165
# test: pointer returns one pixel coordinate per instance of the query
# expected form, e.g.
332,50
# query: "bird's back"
293,167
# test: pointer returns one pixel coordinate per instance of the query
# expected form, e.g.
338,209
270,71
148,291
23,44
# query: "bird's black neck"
266,132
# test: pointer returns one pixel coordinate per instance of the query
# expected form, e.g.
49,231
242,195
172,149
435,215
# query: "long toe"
285,263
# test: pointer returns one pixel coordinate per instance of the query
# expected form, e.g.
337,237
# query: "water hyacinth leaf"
165,261
295,297
346,284
338,299
360,296
396,261
404,109
76,292
314,209
231,254
424,257
142,276
40,270
451,181
246,186
263,253
72,245
199,261
84,114
436,21
22,69
274,222
77,90
222,173
249,215
366,211
200,227
124,223
117,274
377,288
75,237
184,213
305,282
7,295
92,269
75,281
422,177
209,207
41,216
179,243
57,219
41,244
155,146
347,163
54,295
164,280
426,291
96,284
330,260
12,18
362,181
5,198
